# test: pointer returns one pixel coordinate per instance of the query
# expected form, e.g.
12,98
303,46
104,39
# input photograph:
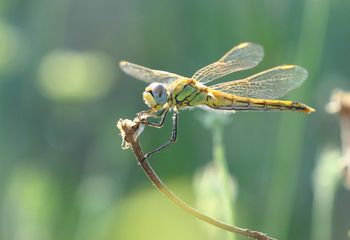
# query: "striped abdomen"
189,93
222,101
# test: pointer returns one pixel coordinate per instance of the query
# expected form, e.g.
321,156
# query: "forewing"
269,84
146,74
241,57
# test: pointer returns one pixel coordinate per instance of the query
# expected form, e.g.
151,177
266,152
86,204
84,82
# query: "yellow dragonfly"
169,91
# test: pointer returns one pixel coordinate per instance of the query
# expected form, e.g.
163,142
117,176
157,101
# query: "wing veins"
147,74
269,84
241,57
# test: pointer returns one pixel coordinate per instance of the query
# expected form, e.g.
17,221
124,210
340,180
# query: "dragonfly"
172,92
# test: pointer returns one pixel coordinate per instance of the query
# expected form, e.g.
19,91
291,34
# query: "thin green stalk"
213,184
219,160
226,180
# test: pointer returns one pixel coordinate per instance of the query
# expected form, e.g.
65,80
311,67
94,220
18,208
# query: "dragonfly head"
156,95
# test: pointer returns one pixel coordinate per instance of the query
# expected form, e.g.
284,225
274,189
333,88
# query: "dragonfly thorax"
155,95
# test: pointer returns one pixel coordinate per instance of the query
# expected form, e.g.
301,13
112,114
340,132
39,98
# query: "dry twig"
130,130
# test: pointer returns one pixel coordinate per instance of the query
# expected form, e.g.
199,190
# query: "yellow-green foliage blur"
63,174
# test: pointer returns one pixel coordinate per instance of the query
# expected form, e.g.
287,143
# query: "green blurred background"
63,174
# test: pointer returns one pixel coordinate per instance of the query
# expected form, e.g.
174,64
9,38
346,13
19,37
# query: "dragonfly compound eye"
159,93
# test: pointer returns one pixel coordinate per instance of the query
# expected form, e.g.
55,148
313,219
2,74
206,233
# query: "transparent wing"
146,74
269,84
241,57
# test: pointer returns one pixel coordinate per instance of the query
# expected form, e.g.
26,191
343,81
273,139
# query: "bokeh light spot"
11,49
69,75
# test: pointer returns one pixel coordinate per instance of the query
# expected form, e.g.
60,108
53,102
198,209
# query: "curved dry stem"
130,130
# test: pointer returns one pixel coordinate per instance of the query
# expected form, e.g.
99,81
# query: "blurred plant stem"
340,105
326,176
290,141
329,170
214,187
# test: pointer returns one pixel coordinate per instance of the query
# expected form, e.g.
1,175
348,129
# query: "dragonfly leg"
170,141
148,113
160,124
